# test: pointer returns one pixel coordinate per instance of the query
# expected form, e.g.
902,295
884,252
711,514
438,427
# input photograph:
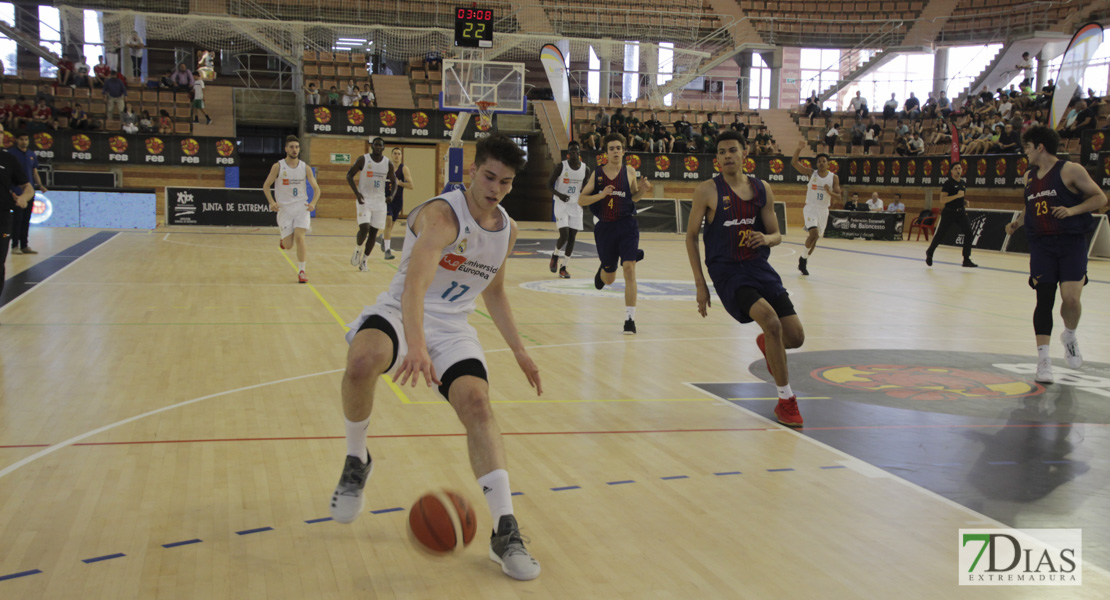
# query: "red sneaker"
762,343
302,278
787,412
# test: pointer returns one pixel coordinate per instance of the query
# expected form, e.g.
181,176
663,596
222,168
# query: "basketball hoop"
485,114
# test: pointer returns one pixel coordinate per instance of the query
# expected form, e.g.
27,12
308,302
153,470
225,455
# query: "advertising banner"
114,148
988,229
231,207
864,225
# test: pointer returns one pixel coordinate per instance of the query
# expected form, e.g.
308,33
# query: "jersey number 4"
463,289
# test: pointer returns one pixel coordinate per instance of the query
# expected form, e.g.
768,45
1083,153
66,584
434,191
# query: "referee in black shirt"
11,176
954,215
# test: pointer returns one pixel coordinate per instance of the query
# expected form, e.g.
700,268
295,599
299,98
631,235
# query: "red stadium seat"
926,224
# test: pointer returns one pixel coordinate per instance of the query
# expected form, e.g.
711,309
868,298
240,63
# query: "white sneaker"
362,266
1044,372
388,254
1071,351
356,258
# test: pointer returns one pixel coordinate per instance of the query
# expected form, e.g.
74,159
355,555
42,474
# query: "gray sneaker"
347,501
16,250
388,254
506,548
28,250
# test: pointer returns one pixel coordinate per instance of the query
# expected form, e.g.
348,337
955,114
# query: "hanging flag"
955,142
1082,48
553,62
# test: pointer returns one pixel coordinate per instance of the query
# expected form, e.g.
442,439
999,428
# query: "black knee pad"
470,366
378,322
1042,314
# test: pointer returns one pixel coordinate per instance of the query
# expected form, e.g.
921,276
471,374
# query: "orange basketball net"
485,113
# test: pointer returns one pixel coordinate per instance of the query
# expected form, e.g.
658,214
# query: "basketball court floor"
170,427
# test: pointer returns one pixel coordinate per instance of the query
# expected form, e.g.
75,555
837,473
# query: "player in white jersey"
822,189
290,178
455,248
375,174
566,183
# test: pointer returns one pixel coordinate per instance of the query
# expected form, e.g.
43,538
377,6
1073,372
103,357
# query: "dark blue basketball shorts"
394,207
741,284
1057,258
616,241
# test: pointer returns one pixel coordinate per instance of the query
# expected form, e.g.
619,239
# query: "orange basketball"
438,521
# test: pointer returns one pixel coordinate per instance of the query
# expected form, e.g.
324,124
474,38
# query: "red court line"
608,432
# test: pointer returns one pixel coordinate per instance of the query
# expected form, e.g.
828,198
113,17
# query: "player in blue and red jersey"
1059,195
616,233
740,228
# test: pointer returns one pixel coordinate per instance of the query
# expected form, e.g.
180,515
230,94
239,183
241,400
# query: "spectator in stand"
890,108
601,121
985,96
680,145
943,106
115,93
858,131
902,145
351,94
617,123
41,117
832,134
875,203
912,107
941,133
739,126
591,138
1026,66
930,107
5,112
367,97
916,146
146,124
1086,118
710,128
1010,140
66,72
763,142
682,127
165,123
896,206
901,129
661,139
101,71
22,112
135,47
1045,99
653,122
853,203
871,135
312,94
197,105
813,107
206,68
82,70
80,118
858,106
333,96
1005,107
182,79
129,121
165,81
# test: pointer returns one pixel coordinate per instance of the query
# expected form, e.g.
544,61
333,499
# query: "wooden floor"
178,385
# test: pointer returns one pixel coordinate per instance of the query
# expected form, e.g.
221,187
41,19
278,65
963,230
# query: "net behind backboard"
468,82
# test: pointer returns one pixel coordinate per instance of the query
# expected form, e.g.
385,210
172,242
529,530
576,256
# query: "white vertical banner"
1082,48
556,67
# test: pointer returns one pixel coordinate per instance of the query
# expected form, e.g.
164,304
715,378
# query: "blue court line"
518,493
835,467
89,561
257,530
778,470
382,511
936,262
722,473
1056,462
569,487
675,477
620,482
20,574
184,543
320,520
25,281
1001,462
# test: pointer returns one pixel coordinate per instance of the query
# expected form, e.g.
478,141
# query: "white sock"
300,266
631,312
785,393
563,260
1042,353
495,487
385,244
555,254
356,437
809,251
1069,334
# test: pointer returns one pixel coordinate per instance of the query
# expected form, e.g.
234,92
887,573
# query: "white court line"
867,469
58,272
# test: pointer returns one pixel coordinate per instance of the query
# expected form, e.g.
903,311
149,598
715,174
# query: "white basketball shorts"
450,339
293,216
815,217
568,214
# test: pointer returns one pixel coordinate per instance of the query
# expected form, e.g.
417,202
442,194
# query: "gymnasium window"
666,68
50,36
820,70
94,38
7,46
966,62
902,75
593,78
759,93
630,84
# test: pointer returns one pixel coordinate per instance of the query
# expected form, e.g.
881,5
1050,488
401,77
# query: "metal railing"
276,75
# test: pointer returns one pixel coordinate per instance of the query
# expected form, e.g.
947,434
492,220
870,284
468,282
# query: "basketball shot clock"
473,27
